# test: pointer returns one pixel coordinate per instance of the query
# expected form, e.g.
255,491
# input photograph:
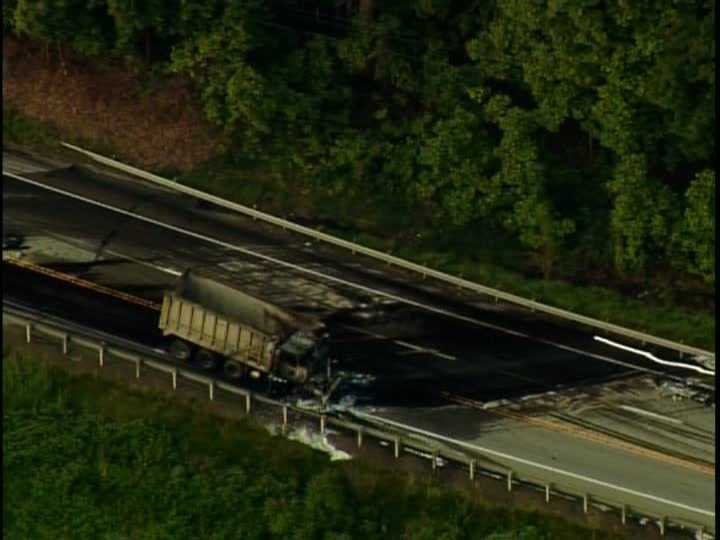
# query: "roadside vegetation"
19,129
563,153
86,458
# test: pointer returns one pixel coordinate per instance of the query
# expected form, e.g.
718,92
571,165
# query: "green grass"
44,137
666,321
489,259
87,458
19,129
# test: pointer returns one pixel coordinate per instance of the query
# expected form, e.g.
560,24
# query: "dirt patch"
156,126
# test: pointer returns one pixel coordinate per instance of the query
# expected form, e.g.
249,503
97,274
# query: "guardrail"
401,263
78,282
475,460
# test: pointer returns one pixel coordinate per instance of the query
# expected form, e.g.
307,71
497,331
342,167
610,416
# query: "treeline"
583,129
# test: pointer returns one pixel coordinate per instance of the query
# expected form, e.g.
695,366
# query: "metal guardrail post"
472,469
359,437
397,447
211,390
173,374
547,493
28,332
322,424
623,514
661,525
586,503
65,343
247,403
284,417
101,355
587,484
138,362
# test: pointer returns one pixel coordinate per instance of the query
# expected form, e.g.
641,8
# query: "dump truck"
216,326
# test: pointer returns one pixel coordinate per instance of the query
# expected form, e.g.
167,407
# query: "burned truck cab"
302,355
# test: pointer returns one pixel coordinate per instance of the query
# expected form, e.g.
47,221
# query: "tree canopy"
560,123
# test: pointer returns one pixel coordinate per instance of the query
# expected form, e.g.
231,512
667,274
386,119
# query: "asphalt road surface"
611,467
284,268
416,339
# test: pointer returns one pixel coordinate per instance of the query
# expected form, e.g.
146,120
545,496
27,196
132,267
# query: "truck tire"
234,370
206,360
180,350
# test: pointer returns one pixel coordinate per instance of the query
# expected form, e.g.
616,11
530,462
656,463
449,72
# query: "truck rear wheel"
206,360
234,370
180,350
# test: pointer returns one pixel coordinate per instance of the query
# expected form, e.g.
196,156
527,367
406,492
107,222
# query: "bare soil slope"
154,127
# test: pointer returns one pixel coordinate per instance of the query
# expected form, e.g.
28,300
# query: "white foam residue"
318,442
308,404
356,378
494,404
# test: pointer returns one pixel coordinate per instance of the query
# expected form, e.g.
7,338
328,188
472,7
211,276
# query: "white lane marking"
315,273
643,412
406,344
8,196
534,464
163,269
654,358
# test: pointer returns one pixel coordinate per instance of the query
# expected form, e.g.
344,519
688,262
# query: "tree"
81,24
8,11
370,54
135,20
639,74
636,77
455,159
643,215
519,188
696,232
231,91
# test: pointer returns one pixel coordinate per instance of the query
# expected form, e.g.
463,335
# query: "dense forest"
581,129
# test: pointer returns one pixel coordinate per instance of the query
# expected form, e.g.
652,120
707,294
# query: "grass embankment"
86,458
18,129
491,260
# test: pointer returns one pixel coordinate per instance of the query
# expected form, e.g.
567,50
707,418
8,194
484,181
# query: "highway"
535,449
284,268
417,340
